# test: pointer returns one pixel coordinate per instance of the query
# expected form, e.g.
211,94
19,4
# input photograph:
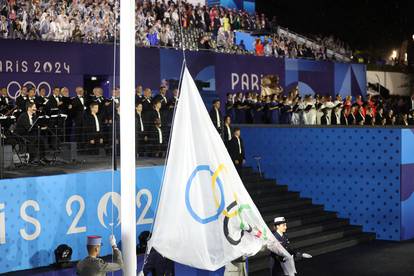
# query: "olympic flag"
205,218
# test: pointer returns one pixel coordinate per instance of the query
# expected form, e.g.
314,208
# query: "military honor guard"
95,266
278,262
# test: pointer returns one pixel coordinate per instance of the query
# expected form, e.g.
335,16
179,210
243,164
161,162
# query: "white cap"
279,220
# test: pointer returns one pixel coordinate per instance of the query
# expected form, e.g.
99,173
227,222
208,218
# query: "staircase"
310,228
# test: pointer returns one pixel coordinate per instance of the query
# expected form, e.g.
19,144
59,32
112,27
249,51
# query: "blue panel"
353,171
407,146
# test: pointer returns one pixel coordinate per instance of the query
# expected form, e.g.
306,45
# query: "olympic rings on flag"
216,200
220,206
226,227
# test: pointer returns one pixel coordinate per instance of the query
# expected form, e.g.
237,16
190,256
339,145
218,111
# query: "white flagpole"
127,132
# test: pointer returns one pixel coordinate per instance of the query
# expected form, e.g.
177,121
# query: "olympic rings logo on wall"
14,93
220,206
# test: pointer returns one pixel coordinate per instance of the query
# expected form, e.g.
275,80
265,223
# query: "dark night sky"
366,24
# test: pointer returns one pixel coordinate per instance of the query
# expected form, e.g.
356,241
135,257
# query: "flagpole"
127,134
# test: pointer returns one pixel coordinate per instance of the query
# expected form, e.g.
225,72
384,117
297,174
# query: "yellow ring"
213,186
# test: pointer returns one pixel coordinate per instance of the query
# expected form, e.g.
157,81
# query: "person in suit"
227,130
54,102
369,118
325,120
30,134
138,94
21,100
154,113
162,97
157,139
351,115
147,100
215,115
336,115
6,103
41,101
93,128
97,97
390,118
379,116
344,117
78,109
31,95
64,97
141,137
360,116
236,149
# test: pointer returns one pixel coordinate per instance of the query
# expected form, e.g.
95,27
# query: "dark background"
367,25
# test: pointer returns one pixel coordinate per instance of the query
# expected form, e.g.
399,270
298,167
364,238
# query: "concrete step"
286,204
338,244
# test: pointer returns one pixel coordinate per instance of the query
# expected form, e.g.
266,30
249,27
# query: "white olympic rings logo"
17,93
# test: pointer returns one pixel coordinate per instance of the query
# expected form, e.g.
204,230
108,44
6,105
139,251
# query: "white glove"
306,256
112,240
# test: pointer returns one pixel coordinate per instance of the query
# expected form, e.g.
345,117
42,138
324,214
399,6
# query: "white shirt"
238,141
140,122
228,132
98,127
82,100
159,135
57,99
30,119
218,117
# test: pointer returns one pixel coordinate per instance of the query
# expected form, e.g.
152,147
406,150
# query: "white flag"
205,217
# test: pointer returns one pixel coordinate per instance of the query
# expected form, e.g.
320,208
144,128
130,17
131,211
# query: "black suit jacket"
21,102
164,102
146,104
227,136
78,108
213,117
335,120
324,120
23,124
378,119
52,103
234,149
90,126
351,119
5,104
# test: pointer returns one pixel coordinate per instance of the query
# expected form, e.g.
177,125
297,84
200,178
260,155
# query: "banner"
39,213
51,64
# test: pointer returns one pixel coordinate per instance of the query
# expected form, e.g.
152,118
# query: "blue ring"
187,196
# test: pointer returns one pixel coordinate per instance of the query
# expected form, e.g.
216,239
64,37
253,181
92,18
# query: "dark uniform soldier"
94,266
280,228
157,265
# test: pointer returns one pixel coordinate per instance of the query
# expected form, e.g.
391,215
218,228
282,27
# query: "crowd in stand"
157,24
292,109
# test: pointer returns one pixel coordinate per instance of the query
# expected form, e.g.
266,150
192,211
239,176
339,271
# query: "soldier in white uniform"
93,265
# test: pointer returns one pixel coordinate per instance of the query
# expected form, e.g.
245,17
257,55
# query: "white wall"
397,83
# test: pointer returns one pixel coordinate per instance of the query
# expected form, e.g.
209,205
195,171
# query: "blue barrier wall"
39,213
353,171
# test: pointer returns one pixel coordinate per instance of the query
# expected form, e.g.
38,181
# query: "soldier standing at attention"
93,265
